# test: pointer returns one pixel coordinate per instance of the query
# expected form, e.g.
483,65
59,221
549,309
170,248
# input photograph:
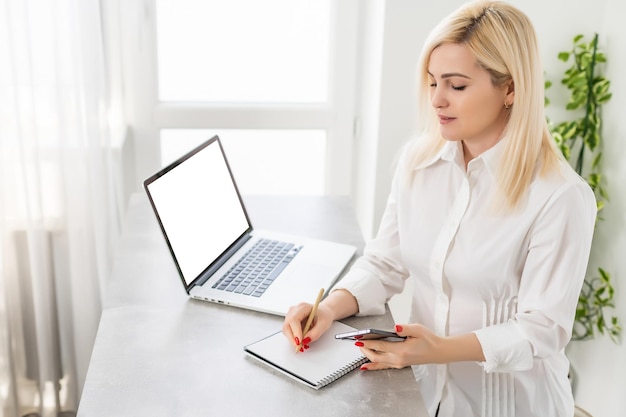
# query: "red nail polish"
297,340
306,340
363,367
398,328
301,349
359,344
306,346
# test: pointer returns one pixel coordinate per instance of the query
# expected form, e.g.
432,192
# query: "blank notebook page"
327,360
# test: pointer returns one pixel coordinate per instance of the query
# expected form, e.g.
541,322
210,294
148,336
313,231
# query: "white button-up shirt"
512,278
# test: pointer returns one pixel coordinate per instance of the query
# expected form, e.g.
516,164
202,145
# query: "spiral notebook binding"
342,371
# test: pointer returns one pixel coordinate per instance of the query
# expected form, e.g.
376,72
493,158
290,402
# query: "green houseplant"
580,141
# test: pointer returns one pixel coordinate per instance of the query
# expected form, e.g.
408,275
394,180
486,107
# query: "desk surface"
160,353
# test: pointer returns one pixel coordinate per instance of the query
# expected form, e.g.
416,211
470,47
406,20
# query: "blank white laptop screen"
207,229
200,223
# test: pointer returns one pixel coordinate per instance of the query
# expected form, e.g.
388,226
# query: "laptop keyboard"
258,268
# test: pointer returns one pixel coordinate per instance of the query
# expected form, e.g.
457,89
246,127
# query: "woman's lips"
445,119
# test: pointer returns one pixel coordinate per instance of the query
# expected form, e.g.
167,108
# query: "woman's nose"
437,98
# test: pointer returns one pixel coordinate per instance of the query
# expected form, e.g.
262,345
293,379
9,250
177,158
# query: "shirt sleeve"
380,272
554,271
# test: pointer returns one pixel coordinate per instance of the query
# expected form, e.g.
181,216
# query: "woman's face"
469,106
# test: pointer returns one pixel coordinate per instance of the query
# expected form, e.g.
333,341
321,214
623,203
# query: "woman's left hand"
420,346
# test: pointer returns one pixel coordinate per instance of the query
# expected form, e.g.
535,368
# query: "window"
242,51
262,161
275,79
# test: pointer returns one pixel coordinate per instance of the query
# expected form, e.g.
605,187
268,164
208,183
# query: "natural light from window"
270,51
278,162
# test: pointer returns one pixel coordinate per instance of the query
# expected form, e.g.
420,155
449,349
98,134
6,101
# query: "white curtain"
59,218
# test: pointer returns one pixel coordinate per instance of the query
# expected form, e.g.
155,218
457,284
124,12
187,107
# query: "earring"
507,106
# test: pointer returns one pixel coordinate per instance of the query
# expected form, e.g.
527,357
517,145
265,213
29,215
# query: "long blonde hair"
503,40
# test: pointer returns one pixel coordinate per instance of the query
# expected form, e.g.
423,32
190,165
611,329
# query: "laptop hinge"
228,253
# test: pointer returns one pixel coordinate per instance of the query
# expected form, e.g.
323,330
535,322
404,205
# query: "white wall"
601,364
371,36
403,25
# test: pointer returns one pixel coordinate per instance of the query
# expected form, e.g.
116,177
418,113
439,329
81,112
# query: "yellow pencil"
307,326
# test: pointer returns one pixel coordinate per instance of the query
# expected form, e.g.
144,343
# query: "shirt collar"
452,151
449,152
492,157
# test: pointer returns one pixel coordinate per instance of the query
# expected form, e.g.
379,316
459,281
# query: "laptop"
219,256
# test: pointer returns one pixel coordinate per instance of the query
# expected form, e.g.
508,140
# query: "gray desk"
159,353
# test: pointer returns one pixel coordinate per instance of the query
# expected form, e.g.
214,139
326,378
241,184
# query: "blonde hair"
503,41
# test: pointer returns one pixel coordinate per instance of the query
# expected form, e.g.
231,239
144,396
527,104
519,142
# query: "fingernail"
363,367
306,346
359,344
306,340
301,349
297,340
398,328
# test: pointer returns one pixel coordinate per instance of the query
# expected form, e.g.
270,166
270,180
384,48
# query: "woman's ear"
510,93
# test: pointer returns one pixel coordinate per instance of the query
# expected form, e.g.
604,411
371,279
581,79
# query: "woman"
490,223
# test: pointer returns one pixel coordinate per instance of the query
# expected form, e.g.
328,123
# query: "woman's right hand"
338,305
296,319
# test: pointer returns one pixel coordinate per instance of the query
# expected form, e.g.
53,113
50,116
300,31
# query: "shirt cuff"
368,291
505,348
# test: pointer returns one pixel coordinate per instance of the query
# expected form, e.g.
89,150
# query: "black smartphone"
369,334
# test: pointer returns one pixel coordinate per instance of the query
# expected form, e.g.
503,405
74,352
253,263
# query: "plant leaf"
564,56
604,98
581,135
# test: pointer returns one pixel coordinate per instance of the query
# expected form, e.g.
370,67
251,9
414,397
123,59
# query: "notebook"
327,360
207,230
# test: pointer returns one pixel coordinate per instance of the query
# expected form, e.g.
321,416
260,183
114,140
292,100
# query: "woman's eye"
433,84
459,88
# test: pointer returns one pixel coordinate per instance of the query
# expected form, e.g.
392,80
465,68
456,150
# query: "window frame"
146,115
